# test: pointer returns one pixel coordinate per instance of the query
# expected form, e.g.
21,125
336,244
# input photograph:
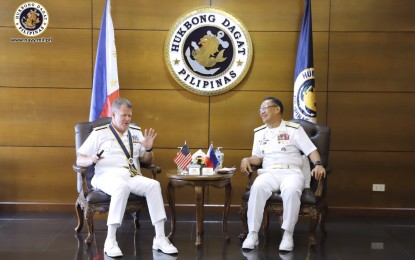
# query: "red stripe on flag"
107,111
182,161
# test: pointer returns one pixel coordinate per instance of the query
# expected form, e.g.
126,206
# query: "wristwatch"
318,163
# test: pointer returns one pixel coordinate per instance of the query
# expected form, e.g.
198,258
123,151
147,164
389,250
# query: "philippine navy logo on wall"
208,51
31,19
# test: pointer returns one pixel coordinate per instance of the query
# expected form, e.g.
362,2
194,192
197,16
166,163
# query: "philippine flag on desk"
105,88
211,160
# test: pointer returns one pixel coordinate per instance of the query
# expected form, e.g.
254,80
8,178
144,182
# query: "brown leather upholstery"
313,203
90,200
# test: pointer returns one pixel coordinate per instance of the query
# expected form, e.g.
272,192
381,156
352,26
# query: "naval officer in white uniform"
117,173
277,147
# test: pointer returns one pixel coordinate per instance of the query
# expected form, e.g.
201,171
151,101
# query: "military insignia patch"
135,138
31,19
208,51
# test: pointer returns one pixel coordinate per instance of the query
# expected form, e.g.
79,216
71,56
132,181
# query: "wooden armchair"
313,202
91,200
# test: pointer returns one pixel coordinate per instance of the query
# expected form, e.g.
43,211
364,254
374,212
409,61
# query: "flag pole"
304,97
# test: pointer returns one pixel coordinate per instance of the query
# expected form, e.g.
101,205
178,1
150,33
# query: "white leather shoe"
164,245
287,243
251,241
111,248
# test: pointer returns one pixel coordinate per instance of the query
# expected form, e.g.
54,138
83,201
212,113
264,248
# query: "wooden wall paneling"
62,14
354,172
64,63
37,174
269,15
373,62
177,116
372,121
274,59
140,56
130,14
41,117
372,15
273,63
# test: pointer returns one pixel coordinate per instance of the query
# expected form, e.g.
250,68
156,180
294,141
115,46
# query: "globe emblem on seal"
306,98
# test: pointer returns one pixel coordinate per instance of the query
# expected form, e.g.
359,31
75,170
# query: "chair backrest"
320,136
82,131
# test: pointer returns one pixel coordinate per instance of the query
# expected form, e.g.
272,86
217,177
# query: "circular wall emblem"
31,19
208,51
305,106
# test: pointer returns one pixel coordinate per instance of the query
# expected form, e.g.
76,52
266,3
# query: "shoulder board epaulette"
135,127
292,124
260,128
100,127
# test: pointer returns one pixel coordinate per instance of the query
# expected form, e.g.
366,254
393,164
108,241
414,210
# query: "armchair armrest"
318,193
251,177
319,190
82,172
154,169
321,183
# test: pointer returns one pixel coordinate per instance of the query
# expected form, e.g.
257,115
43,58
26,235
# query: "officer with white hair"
116,150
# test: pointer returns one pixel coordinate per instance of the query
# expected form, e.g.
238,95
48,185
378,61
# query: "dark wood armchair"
91,200
313,202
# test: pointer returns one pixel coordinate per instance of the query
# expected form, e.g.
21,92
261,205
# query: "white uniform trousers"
290,182
120,184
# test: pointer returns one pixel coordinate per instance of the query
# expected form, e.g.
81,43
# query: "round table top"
217,176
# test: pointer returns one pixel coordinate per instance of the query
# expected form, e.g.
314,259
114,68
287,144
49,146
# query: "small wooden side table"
199,182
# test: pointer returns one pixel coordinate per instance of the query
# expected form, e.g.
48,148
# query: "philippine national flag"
105,88
211,161
183,157
304,88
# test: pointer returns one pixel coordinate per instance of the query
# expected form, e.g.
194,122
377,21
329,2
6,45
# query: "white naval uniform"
279,149
112,175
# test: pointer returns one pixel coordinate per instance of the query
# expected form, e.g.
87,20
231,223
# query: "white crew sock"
112,229
159,226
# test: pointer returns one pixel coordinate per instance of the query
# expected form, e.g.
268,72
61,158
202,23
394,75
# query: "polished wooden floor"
34,235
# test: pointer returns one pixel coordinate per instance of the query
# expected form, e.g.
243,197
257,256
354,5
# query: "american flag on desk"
183,157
